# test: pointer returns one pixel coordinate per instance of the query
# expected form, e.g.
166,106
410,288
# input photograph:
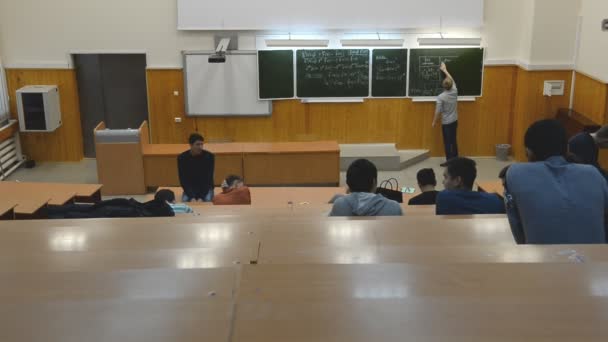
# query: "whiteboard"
223,89
312,15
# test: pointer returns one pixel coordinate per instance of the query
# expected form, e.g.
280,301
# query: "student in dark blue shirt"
196,169
459,197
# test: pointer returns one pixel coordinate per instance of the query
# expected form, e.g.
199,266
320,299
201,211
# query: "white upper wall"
502,38
553,37
593,52
44,33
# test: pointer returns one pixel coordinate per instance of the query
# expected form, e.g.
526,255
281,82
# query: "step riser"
384,156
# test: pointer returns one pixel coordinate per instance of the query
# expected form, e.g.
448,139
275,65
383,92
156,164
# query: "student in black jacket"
427,183
196,167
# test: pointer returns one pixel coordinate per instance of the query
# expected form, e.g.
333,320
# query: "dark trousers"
450,141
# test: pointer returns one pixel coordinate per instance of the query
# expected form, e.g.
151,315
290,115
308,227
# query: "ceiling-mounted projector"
217,58
220,52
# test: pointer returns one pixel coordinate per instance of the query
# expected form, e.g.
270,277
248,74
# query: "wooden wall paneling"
531,105
328,120
468,133
164,107
591,98
373,122
512,100
65,144
496,109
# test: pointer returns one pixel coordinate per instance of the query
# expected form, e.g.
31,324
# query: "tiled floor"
86,172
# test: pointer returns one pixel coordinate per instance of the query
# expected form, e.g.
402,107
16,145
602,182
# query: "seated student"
551,201
195,168
168,196
585,148
234,192
362,180
459,197
427,183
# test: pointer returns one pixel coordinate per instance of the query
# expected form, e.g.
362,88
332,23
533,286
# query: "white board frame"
253,53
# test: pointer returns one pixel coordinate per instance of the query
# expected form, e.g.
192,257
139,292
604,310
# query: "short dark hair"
546,139
361,176
231,179
464,168
194,137
165,195
426,177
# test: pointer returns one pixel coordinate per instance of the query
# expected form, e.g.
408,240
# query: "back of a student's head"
460,174
362,176
165,195
546,139
582,150
232,181
426,177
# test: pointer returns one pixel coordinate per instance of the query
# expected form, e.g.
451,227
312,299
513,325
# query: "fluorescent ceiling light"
297,42
450,41
372,42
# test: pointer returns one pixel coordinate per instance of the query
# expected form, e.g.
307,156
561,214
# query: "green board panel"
389,72
275,74
333,73
465,65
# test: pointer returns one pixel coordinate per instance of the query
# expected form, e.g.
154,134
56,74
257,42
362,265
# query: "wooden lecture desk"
7,209
311,163
401,302
127,305
32,198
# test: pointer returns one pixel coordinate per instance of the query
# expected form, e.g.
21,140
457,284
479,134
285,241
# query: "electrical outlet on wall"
178,120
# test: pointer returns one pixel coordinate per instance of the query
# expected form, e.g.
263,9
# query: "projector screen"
310,15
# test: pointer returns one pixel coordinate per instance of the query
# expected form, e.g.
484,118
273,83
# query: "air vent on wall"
554,88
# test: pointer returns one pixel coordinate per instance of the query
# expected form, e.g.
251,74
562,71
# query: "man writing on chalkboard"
195,168
447,109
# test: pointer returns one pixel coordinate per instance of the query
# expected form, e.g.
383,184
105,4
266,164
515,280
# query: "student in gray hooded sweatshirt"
362,180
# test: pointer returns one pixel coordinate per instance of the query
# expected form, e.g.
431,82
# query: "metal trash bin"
503,151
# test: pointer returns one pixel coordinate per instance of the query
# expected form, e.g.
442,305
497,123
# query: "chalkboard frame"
407,74
370,96
460,97
185,54
294,71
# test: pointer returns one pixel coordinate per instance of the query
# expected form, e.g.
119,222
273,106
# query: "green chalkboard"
275,74
389,72
465,65
333,73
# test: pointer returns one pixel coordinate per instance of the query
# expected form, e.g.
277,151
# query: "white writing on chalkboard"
335,68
